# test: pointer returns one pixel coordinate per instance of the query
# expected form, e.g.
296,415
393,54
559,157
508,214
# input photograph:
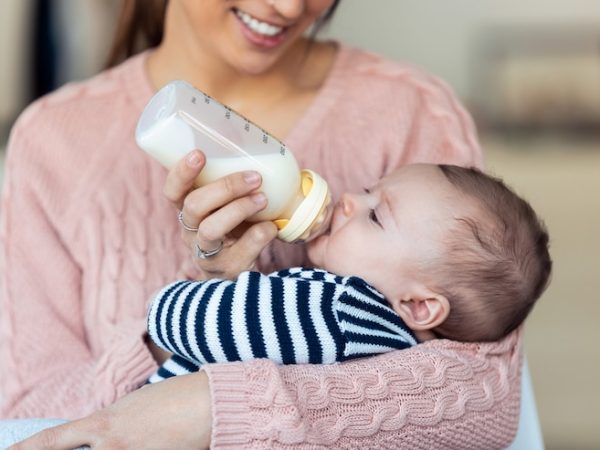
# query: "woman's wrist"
229,398
206,418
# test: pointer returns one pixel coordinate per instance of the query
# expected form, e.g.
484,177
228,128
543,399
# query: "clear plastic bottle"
180,118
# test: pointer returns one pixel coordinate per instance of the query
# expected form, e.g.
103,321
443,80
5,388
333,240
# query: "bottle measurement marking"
248,124
184,118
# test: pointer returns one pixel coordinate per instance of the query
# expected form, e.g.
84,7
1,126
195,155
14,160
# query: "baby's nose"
348,205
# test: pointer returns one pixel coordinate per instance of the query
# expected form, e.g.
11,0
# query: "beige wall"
13,38
87,23
441,35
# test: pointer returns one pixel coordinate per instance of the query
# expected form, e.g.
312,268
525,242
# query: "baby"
429,252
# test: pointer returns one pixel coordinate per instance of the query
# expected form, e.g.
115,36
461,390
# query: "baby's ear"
422,309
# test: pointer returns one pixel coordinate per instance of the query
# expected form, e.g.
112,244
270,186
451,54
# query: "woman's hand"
218,210
172,414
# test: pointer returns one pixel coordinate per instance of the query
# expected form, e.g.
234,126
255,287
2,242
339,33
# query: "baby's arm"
290,320
291,317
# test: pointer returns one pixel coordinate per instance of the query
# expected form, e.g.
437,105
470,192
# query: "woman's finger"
189,271
241,255
62,437
203,201
254,240
180,179
134,422
213,229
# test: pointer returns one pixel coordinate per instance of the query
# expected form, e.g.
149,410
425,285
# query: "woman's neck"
293,71
302,68
274,99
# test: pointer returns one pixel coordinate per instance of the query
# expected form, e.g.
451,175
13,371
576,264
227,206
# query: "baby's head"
453,250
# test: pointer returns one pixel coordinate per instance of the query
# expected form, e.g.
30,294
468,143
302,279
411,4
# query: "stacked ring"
203,254
185,226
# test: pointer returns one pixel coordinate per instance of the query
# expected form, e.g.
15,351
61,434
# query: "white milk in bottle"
180,118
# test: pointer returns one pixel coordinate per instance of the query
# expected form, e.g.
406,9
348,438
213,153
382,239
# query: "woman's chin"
254,65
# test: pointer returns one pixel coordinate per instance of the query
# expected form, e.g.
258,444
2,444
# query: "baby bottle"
179,119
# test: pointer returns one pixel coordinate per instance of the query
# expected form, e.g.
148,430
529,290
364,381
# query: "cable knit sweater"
87,237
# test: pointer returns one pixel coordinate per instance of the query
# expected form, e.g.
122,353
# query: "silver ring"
202,254
185,226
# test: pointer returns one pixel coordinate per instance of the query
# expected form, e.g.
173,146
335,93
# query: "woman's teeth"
257,26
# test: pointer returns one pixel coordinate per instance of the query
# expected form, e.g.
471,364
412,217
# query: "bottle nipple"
313,215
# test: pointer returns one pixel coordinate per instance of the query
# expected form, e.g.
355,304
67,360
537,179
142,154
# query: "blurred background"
529,72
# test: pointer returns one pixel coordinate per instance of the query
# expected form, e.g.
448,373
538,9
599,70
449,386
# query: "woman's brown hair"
141,26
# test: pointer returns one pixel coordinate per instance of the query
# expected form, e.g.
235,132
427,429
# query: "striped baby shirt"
294,316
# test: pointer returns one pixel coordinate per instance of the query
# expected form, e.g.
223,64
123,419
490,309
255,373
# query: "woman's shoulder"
78,102
378,76
362,63
79,129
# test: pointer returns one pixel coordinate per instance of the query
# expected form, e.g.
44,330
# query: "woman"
88,237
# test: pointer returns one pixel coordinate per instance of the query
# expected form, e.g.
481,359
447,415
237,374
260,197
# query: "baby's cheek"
316,249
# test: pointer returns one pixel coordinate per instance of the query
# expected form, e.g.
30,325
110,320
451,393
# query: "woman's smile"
258,32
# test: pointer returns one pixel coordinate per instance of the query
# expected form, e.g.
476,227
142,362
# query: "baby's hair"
497,264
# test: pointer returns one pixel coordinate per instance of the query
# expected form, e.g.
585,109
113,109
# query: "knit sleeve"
368,323
288,319
47,368
437,395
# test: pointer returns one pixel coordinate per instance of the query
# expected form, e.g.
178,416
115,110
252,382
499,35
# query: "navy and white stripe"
294,316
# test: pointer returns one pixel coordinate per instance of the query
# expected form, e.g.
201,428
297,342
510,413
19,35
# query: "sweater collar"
139,89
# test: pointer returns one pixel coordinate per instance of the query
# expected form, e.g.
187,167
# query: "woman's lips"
257,39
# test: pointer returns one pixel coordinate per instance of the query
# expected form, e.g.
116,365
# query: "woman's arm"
172,415
437,129
47,368
437,395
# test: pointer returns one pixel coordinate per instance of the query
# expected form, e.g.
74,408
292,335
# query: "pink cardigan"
87,237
